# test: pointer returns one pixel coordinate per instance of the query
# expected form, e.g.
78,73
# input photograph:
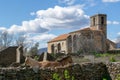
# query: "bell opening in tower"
102,20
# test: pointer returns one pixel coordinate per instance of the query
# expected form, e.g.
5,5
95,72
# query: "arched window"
59,47
93,21
69,44
74,42
52,48
70,40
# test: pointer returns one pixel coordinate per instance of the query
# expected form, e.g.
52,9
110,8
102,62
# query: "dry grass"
105,58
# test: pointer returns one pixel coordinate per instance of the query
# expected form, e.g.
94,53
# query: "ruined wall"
86,71
8,56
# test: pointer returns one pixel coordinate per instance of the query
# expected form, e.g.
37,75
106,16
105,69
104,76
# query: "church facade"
93,38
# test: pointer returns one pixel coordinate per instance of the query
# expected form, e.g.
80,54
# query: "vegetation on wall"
66,76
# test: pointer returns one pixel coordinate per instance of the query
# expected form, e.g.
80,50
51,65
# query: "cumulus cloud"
57,17
113,22
63,17
42,37
32,26
3,29
71,17
110,0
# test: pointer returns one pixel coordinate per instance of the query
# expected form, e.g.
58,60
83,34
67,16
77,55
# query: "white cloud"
72,17
41,38
119,33
32,13
113,22
57,17
63,17
116,22
32,26
68,2
2,29
109,22
110,0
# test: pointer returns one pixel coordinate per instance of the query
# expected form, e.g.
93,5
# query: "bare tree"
21,40
5,39
34,49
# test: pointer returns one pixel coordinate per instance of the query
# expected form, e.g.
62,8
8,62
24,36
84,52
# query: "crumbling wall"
8,56
86,71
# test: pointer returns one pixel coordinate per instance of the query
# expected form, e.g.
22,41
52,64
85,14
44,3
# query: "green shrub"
97,55
105,54
104,79
67,76
73,78
56,76
102,55
112,59
36,57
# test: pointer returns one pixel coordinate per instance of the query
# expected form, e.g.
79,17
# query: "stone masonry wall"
86,71
114,69
8,56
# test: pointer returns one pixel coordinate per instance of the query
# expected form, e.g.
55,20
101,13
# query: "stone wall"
8,56
86,71
114,69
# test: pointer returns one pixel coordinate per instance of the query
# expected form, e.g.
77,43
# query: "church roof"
59,38
64,36
85,29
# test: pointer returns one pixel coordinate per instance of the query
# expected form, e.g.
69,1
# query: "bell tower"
99,22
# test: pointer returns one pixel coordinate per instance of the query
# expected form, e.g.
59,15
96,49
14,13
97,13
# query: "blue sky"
42,20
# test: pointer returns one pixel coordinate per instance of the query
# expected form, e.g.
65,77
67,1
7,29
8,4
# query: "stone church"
93,38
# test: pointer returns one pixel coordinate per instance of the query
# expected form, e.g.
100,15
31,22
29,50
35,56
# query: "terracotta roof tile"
59,38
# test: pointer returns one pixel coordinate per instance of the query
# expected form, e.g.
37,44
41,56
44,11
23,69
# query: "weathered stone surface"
85,71
8,56
114,69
